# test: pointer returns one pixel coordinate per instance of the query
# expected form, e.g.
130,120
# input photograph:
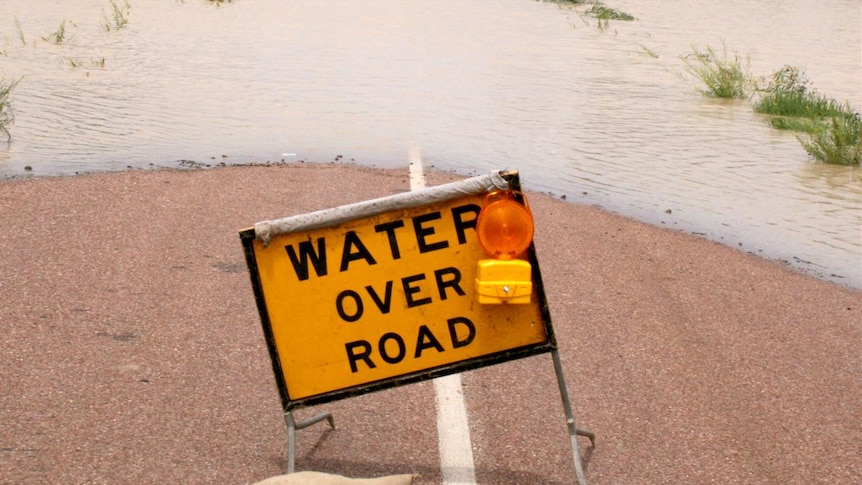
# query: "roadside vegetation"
828,131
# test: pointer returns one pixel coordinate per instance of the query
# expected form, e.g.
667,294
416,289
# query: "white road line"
453,430
417,178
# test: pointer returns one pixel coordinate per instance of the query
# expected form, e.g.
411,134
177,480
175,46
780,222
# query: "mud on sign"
368,301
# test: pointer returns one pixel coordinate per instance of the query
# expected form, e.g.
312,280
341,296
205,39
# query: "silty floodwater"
600,115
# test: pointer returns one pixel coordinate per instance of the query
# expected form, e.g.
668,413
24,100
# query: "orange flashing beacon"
505,231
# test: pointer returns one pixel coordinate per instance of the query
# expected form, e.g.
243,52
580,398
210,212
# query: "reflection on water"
601,116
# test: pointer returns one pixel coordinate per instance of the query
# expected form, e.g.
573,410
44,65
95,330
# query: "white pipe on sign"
265,230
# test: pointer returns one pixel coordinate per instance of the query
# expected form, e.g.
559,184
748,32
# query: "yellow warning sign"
375,299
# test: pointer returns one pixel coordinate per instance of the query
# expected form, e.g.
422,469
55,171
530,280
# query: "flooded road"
598,115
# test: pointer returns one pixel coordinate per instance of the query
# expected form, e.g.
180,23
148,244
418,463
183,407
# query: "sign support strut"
293,427
570,420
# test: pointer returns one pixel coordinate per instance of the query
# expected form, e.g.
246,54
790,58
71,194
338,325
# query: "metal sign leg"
293,427
570,420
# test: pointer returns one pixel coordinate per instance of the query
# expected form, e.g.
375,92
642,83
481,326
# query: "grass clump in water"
832,133
723,76
7,116
789,95
838,143
94,62
599,11
119,16
58,36
603,12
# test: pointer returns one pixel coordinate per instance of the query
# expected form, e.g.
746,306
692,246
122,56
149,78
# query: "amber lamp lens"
505,226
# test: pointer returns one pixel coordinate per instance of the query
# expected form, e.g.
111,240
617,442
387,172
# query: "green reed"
20,32
58,36
7,115
119,17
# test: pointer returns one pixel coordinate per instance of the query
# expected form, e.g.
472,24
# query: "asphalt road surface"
133,352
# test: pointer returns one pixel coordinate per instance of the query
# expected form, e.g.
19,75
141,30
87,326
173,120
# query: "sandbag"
317,478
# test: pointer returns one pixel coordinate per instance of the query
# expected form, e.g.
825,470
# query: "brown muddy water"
599,115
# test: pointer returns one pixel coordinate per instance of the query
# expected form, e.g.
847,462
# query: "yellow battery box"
503,281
